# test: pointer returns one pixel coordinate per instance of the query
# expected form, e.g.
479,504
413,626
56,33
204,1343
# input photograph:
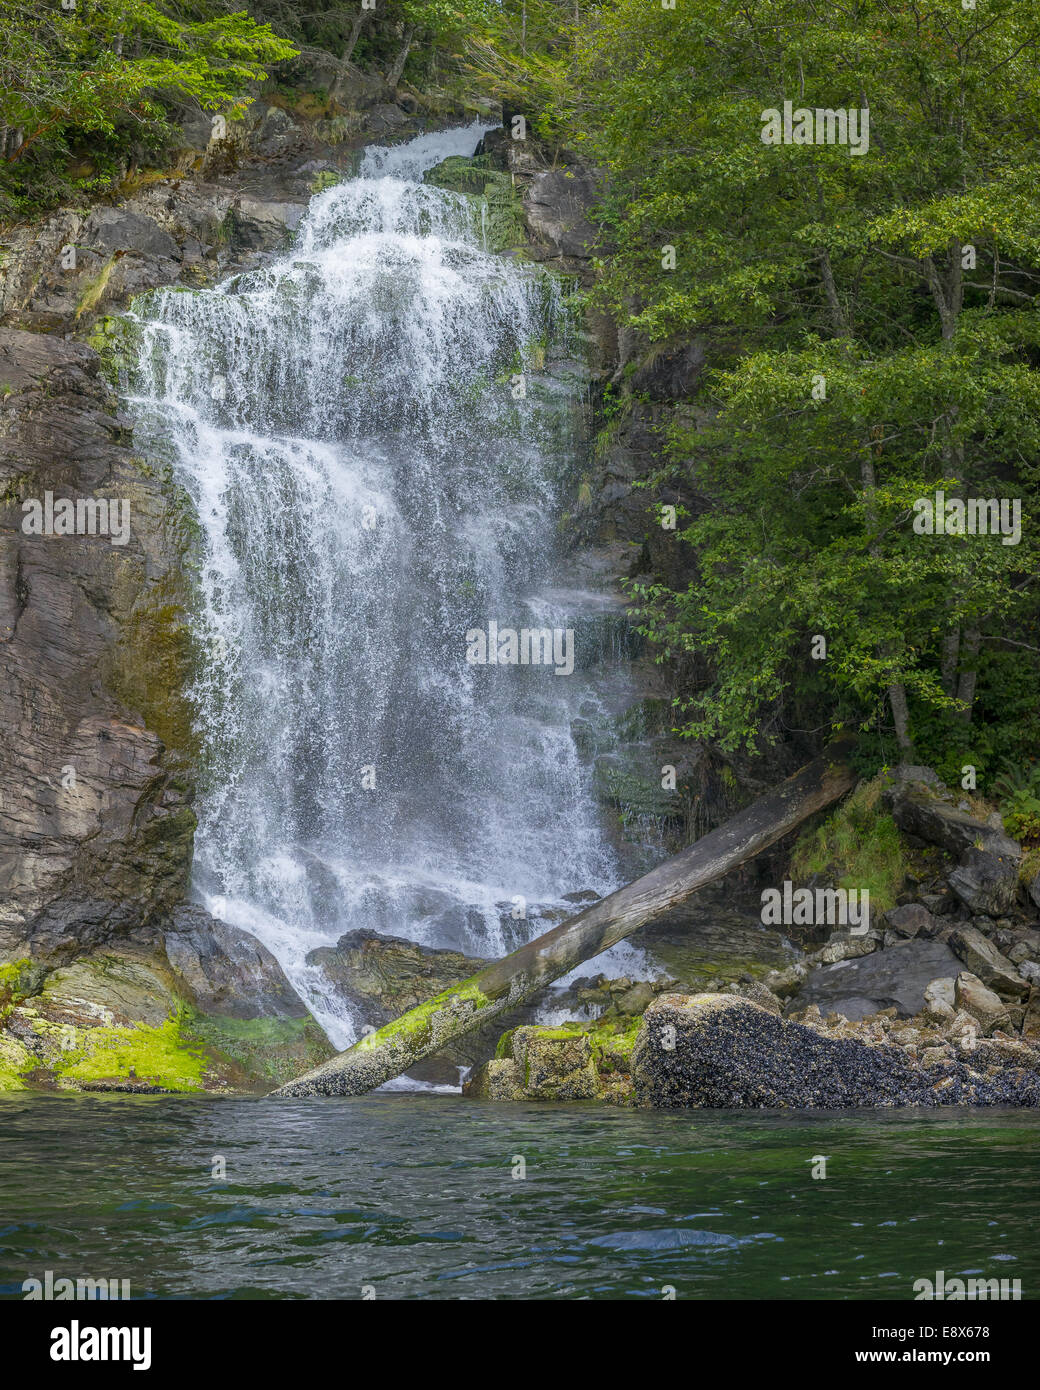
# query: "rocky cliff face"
96,824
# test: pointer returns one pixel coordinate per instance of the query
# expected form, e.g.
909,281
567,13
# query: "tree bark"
394,75
507,982
348,51
896,690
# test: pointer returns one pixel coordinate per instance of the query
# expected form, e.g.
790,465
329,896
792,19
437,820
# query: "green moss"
859,846
415,1028
160,1055
266,1049
94,289
153,663
115,340
19,980
14,1061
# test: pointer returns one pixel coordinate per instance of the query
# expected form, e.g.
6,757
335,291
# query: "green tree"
900,281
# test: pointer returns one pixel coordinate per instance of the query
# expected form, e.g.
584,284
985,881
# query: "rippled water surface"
415,1197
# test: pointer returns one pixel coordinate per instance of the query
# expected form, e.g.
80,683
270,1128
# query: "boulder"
499,1079
787,981
758,993
910,920
225,970
984,960
986,880
380,978
940,999
551,1063
845,946
720,1051
556,209
972,997
896,977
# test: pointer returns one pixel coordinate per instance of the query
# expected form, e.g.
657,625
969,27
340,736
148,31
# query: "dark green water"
414,1196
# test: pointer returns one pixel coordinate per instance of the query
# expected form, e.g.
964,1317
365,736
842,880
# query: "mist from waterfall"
369,488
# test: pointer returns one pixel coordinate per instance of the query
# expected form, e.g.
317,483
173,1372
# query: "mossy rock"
462,173
119,1021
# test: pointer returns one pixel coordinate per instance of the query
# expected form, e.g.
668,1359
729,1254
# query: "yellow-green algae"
160,1055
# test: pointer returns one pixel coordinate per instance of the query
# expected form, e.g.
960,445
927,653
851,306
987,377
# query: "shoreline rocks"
720,1051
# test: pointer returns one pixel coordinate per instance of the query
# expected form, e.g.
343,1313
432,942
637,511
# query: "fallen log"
504,983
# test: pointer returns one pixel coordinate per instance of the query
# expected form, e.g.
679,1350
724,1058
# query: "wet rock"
498,1079
971,996
96,825
894,978
554,1064
718,1051
984,960
226,971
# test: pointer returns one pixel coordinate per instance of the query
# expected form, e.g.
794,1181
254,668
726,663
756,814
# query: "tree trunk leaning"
507,982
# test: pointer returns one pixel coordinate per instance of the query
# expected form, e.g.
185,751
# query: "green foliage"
98,77
1018,788
874,339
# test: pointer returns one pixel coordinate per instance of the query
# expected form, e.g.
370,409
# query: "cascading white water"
368,490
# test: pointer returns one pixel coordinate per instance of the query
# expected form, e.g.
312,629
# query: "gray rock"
917,810
265,224
911,920
786,981
276,132
89,662
759,994
845,946
115,229
986,880
556,208
984,960
894,978
1034,890
972,997
227,971
940,1000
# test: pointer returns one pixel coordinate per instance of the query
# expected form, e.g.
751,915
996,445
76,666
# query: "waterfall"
376,469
